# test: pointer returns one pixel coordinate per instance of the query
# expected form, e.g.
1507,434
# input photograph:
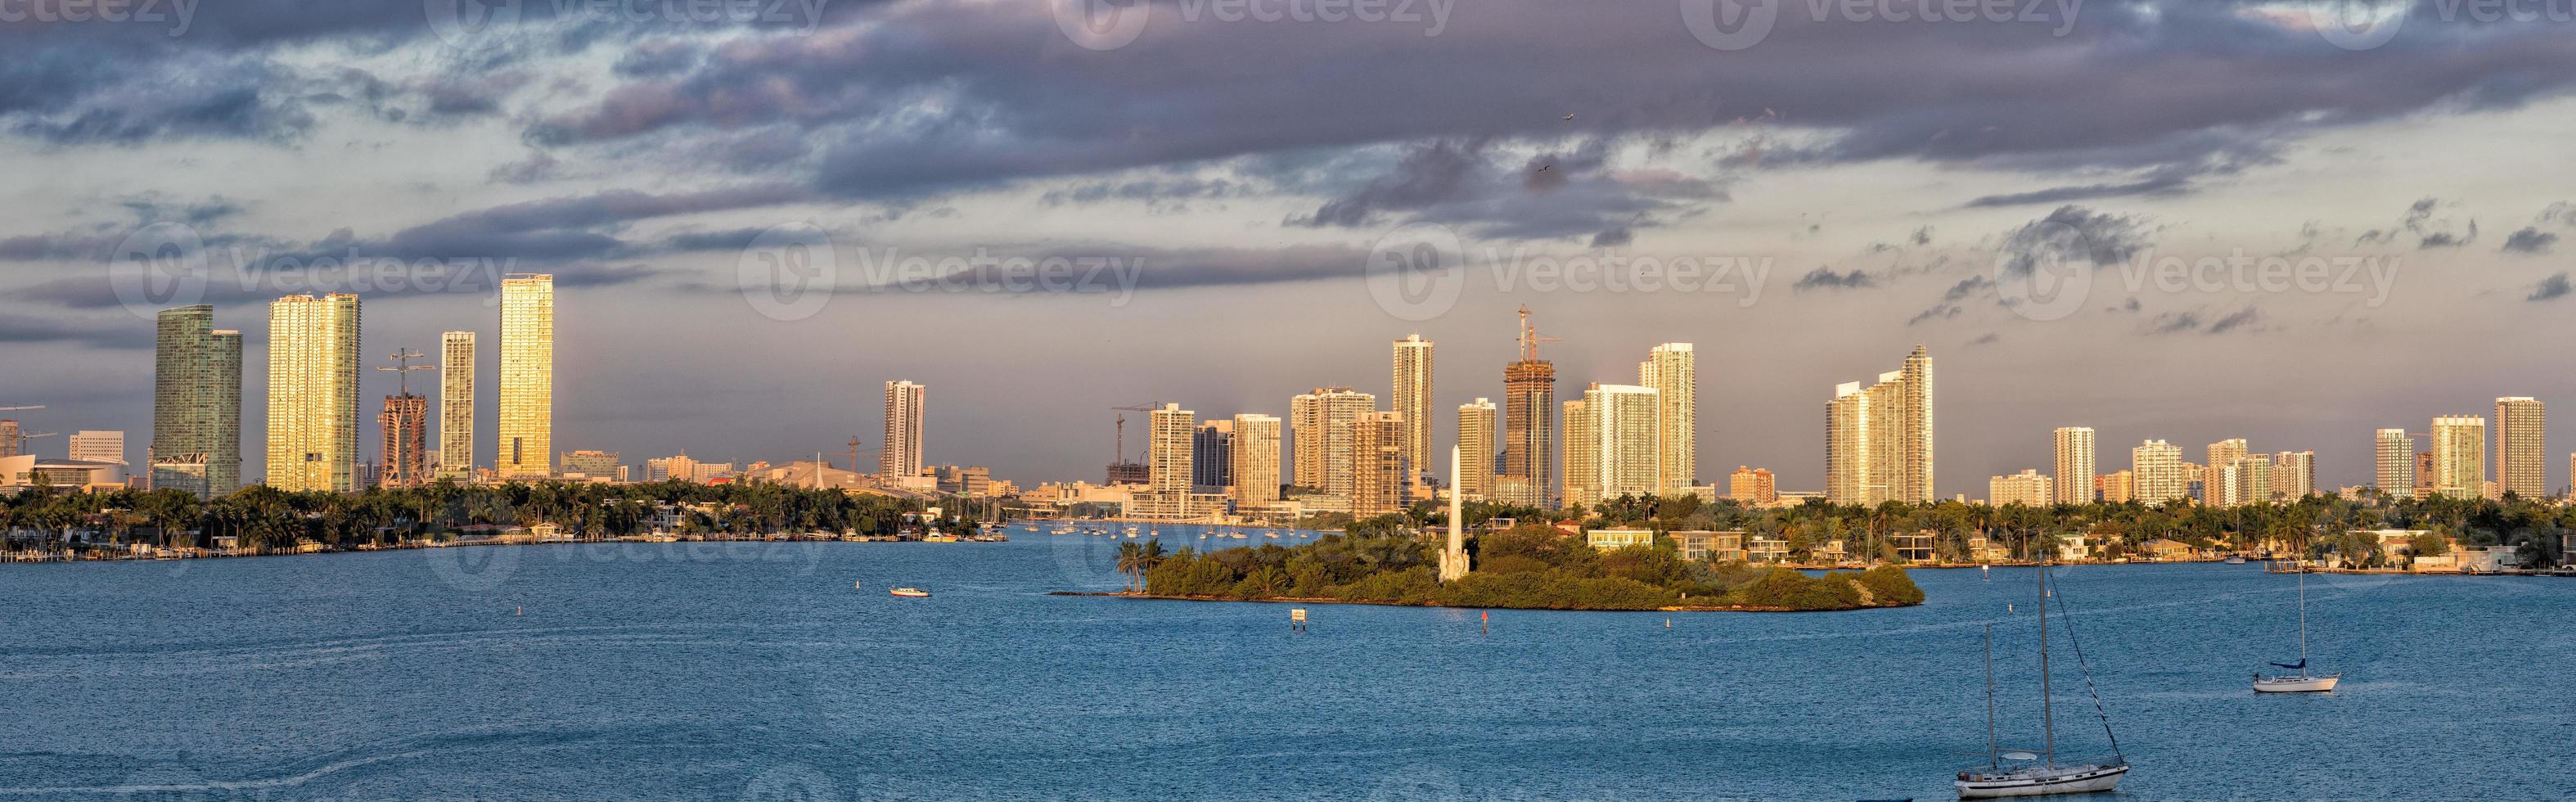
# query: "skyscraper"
527,376
98,446
1626,443
1319,425
1256,460
196,404
1529,426
1212,454
2217,488
1412,382
1379,475
2159,470
1672,371
2396,462
2459,456
1580,470
2294,474
313,393
1878,440
2522,453
405,425
2075,465
1170,449
1476,448
456,404
903,411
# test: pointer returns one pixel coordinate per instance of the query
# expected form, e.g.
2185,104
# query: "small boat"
2301,682
2037,774
859,585
909,593
2236,559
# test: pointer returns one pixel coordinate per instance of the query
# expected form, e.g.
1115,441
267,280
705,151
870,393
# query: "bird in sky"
1569,118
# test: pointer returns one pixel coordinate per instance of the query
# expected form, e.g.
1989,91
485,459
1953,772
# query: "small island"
1528,567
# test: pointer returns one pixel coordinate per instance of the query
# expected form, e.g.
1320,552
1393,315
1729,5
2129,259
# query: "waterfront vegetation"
2316,527
1531,566
263,518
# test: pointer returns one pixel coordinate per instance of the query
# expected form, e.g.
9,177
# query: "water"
756,671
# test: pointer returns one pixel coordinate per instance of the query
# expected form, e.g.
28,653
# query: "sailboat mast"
2303,620
1994,748
2047,708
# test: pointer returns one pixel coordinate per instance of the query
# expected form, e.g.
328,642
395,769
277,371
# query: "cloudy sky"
2187,220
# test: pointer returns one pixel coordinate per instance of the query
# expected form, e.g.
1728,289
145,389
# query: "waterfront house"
2077,548
1696,545
1619,538
2168,550
1913,547
1766,550
2488,560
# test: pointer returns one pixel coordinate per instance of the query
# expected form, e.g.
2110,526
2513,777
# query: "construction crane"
853,454
1148,406
17,444
403,367
1530,338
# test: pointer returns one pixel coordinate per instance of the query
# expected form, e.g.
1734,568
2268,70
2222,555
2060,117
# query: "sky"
2186,220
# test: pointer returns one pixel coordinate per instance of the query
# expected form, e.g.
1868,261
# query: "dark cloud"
1826,278
2529,241
1613,238
1427,174
2554,286
2173,323
2073,234
2239,319
2166,185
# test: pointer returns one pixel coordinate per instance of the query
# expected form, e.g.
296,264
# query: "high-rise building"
98,446
2217,490
527,420
196,404
2160,474
2423,474
456,404
1256,460
1380,478
1529,431
313,393
11,436
405,427
1672,371
1752,485
1624,450
1170,448
2521,450
1412,397
2459,456
1580,471
2396,463
2029,488
2248,480
1878,440
2075,465
1319,427
1212,454
2294,475
903,411
1476,448
2117,487
592,465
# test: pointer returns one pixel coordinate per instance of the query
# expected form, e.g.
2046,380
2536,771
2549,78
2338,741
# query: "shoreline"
92,556
1329,600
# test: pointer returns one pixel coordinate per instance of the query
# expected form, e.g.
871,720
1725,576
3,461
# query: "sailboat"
2286,682
2040,774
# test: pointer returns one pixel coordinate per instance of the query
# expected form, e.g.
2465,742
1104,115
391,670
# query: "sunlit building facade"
456,404
1878,438
313,393
904,405
196,404
1256,460
1476,448
2075,465
1411,378
2521,447
527,419
1672,371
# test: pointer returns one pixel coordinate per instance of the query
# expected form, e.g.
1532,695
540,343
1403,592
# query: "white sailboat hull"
2040,781
2296,684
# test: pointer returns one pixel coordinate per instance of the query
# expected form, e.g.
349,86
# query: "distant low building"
1619,538
1696,545
2169,550
1766,550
